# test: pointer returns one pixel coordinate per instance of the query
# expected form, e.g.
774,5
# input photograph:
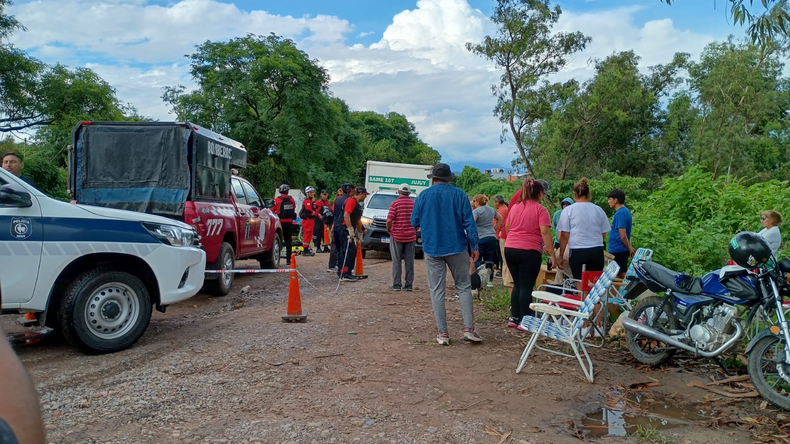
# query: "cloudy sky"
406,56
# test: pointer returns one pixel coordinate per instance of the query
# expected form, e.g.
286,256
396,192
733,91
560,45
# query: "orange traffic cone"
28,319
326,236
359,270
294,311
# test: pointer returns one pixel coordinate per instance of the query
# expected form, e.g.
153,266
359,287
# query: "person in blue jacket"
444,215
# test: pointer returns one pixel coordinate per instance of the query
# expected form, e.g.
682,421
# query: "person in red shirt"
403,237
308,221
352,227
285,208
502,209
318,231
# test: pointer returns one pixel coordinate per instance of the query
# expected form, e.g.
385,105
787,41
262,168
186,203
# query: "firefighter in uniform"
318,231
285,208
307,214
350,233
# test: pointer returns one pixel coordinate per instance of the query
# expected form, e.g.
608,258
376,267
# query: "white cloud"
365,34
420,66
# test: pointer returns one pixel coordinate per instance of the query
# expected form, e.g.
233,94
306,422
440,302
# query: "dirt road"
364,368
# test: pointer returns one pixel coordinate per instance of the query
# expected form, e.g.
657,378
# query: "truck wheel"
104,311
271,259
419,255
226,261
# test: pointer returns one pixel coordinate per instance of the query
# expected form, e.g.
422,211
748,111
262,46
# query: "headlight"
172,235
366,221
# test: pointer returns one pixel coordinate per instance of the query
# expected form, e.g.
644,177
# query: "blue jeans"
487,247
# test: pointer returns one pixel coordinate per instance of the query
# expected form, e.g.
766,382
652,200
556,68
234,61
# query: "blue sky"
398,55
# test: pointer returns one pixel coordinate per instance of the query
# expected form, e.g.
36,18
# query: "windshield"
383,201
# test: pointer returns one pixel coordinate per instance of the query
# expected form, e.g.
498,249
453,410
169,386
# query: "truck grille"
379,223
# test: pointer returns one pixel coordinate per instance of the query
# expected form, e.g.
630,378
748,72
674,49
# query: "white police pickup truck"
93,273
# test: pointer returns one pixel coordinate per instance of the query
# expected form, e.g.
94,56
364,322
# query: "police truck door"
21,242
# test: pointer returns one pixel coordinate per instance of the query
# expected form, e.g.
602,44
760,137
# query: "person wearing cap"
566,270
403,238
307,214
318,230
352,228
344,192
444,215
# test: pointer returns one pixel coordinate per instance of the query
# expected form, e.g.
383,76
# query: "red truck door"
253,219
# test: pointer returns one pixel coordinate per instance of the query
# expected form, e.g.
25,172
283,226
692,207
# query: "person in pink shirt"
501,208
528,230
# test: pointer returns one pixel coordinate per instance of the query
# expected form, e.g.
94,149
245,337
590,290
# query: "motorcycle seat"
667,278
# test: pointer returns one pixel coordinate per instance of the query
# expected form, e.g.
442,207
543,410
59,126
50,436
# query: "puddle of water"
625,417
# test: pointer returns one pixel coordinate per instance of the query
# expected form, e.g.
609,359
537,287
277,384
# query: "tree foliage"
269,95
690,220
609,122
765,27
527,50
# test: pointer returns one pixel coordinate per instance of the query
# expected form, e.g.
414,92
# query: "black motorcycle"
705,316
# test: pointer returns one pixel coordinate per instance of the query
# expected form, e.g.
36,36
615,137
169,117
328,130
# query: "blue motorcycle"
703,316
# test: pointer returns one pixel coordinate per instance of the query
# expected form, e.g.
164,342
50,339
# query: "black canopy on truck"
151,167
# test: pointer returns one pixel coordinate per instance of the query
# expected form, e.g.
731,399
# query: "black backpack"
287,208
327,217
303,213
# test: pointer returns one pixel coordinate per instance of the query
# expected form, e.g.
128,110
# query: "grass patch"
651,434
496,300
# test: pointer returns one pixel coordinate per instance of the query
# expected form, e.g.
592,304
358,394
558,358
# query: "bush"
690,220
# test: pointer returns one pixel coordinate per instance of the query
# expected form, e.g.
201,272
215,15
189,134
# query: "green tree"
269,95
392,138
527,50
765,27
608,123
470,178
735,112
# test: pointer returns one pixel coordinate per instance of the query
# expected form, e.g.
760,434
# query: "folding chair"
616,296
565,325
570,291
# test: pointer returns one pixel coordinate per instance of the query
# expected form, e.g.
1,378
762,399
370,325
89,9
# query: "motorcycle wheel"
768,371
646,350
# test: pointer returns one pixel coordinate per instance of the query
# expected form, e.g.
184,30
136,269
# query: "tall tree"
608,123
392,138
741,100
527,50
766,26
269,95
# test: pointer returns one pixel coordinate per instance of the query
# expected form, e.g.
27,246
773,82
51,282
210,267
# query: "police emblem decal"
21,228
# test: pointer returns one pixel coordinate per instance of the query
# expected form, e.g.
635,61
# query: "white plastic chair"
565,325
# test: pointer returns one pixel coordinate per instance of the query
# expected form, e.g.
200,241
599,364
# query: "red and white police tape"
251,271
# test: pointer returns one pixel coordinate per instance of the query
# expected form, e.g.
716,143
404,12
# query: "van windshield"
383,201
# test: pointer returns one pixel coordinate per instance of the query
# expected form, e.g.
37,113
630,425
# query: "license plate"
385,240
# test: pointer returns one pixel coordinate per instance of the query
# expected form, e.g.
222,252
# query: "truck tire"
226,261
271,260
419,255
105,311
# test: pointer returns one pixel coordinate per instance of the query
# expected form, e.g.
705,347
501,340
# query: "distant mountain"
457,167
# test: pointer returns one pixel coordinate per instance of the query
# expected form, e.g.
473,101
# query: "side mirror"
268,203
14,196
